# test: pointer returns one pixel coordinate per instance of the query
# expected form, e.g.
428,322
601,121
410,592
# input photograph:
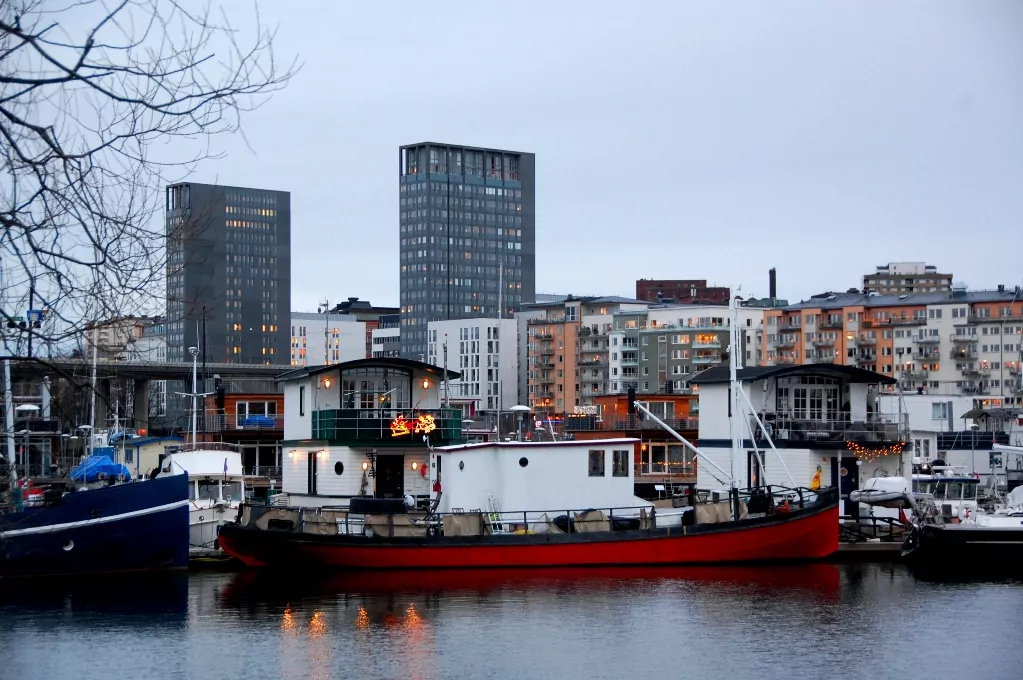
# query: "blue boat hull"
139,526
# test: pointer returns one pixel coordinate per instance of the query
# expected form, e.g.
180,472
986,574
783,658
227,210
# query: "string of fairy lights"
871,453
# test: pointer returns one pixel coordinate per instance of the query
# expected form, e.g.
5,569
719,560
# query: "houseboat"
377,476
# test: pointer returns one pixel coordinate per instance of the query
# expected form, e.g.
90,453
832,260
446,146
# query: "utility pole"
326,332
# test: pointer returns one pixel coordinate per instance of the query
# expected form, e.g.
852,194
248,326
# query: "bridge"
137,370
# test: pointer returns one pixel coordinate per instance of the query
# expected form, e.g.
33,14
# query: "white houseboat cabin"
377,427
823,420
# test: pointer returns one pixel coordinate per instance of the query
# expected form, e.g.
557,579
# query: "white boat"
216,490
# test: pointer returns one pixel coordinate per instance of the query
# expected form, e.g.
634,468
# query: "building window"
619,464
596,463
301,400
939,410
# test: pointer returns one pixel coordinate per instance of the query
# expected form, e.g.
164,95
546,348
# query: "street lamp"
520,411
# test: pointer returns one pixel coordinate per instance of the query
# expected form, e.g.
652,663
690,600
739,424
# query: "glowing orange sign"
421,425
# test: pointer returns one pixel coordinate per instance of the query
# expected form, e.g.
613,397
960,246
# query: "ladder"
494,511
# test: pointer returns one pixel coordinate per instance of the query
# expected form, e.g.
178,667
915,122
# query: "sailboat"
216,483
544,504
99,521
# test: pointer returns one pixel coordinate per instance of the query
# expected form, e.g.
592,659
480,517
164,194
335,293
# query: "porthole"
461,465
523,462
339,468
69,546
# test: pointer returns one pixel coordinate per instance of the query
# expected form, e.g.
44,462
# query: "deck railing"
877,428
388,426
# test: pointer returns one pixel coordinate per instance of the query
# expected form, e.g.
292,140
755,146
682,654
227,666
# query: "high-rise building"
228,273
467,236
336,334
896,278
485,353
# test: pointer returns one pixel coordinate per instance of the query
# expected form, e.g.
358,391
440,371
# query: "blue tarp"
100,465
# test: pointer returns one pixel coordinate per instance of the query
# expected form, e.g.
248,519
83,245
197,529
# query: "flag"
225,467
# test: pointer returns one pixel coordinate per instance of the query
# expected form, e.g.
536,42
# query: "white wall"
296,426
714,409
801,464
555,479
335,489
506,356
350,343
294,473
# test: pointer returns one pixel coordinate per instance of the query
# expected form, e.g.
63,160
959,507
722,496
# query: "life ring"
422,471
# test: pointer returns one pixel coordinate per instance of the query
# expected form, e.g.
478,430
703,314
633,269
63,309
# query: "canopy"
100,466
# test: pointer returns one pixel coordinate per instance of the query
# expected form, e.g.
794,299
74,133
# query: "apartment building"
657,351
485,352
899,278
567,351
957,342
336,333
386,337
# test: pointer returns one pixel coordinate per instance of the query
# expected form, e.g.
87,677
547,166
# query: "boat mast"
92,409
734,403
195,389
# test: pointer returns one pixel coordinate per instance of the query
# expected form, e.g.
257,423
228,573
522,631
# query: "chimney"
772,285
1001,287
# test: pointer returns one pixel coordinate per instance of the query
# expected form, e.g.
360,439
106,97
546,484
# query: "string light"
870,454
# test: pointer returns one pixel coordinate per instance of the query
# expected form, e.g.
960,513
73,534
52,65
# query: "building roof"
142,441
587,300
840,300
721,374
378,362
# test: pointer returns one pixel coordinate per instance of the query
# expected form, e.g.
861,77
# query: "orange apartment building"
247,415
566,347
956,342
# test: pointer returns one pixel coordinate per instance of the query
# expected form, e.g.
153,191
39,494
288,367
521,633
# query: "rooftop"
840,300
587,300
721,374
378,362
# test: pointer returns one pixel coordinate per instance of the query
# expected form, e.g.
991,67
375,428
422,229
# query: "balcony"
713,342
963,354
790,327
914,375
592,362
975,372
784,361
925,356
1013,370
627,424
543,336
704,359
898,321
544,363
546,351
388,427
976,318
218,421
1017,388
630,360
969,440
965,339
588,391
866,340
867,359
927,339
787,343
831,323
824,342
831,433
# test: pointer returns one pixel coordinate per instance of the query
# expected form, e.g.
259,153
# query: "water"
819,621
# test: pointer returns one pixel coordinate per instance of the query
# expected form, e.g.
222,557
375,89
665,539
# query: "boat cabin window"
970,492
206,489
939,491
954,491
923,487
596,463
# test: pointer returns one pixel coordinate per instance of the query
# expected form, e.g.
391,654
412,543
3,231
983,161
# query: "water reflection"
812,620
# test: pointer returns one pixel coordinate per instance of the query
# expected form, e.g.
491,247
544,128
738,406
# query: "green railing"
388,427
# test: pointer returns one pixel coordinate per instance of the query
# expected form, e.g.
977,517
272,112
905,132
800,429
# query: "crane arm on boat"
767,435
696,452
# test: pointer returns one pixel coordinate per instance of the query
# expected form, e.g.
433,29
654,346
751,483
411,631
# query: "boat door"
390,477
845,474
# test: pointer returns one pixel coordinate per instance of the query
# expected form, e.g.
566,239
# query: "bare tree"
102,103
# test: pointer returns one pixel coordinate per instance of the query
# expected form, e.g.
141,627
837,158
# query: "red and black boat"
322,538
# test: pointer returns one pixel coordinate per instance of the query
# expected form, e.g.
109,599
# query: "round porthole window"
523,462
69,546
461,465
339,468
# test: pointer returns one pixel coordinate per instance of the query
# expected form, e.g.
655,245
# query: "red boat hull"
807,534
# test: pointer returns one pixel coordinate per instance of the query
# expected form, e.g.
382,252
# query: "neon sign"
421,425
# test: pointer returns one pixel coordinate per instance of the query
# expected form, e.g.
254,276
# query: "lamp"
365,465
426,384
326,383
415,465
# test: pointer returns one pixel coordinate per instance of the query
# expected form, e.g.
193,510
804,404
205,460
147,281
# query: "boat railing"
204,446
339,520
860,529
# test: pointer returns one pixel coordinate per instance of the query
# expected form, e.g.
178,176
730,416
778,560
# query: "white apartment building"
327,339
386,341
660,349
485,352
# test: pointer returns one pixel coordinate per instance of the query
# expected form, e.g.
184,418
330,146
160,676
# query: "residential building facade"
228,272
467,233
955,343
567,353
386,337
657,351
898,278
680,291
485,353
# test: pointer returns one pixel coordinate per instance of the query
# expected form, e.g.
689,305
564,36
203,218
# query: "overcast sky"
672,139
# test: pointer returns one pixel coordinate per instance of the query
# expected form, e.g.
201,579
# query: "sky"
673,139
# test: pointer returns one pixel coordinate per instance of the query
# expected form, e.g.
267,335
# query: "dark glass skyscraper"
228,264
467,235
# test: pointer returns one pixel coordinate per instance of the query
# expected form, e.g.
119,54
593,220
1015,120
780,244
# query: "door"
756,471
390,476
845,474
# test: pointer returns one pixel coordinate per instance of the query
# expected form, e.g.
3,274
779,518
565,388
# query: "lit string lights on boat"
872,453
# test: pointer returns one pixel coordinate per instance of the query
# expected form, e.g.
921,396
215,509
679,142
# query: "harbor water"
811,621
